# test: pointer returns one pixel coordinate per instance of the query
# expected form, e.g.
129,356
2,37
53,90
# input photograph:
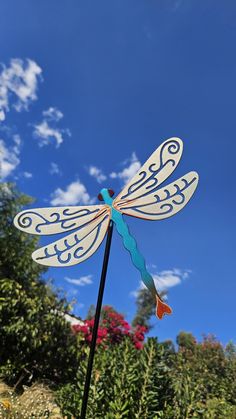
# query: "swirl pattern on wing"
77,246
165,202
155,171
46,221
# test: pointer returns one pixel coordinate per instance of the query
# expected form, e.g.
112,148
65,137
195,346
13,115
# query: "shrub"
36,341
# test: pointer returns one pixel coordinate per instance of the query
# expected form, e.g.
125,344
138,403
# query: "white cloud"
166,279
53,114
54,169
9,157
81,282
129,171
19,82
2,115
46,131
74,194
27,175
97,174
17,141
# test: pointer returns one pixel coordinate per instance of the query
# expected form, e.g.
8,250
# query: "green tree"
186,341
146,308
36,341
230,353
16,247
202,384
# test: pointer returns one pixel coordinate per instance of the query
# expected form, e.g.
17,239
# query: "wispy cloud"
81,282
53,114
166,279
18,85
170,278
47,131
27,175
9,157
133,165
54,169
75,193
97,174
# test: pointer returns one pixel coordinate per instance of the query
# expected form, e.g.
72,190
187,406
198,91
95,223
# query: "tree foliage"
146,308
36,341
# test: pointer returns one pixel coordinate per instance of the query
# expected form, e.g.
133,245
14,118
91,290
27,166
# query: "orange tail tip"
162,308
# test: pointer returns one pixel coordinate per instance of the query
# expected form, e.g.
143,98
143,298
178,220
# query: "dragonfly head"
106,195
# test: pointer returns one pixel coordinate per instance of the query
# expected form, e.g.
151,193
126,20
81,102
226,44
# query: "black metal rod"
96,321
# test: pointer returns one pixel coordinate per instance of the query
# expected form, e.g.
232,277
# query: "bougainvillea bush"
113,328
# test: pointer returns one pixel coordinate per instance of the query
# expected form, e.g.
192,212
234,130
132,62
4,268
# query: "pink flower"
113,328
84,329
138,345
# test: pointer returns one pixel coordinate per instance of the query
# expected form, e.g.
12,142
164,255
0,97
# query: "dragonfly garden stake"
142,197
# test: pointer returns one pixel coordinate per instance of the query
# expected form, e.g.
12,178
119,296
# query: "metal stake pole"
96,321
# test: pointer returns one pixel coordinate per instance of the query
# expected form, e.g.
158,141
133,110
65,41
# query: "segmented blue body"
130,244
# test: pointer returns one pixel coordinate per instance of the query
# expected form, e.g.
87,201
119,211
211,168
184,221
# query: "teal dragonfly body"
136,257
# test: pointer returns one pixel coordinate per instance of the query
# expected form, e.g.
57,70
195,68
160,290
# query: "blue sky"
99,85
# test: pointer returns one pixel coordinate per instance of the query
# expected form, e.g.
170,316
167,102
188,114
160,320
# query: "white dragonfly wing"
77,246
155,171
45,221
164,202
